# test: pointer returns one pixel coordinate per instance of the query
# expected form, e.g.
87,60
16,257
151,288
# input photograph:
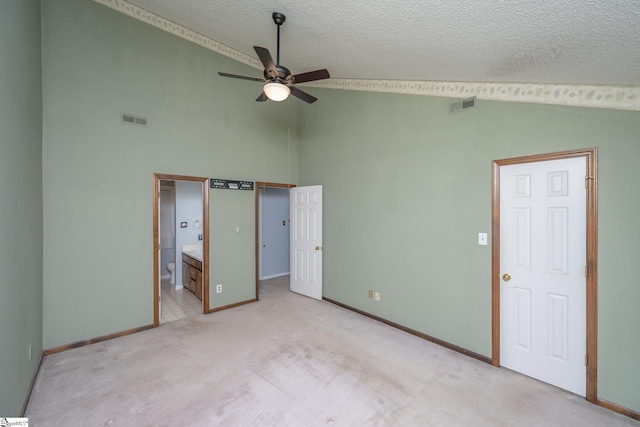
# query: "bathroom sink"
197,254
194,251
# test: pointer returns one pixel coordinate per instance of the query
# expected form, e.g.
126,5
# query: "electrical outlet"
29,351
370,293
377,296
218,289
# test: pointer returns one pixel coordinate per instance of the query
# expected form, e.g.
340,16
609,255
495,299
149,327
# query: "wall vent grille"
132,119
462,105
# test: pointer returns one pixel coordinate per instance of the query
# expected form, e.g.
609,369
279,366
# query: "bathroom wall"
189,211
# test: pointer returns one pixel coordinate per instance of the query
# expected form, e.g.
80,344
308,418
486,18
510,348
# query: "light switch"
482,239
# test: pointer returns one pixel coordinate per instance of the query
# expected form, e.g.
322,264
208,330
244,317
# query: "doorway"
504,233
201,225
273,233
271,264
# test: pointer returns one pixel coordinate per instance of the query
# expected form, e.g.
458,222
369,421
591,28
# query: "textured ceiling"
518,41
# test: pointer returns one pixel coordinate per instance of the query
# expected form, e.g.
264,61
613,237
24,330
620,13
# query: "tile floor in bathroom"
177,303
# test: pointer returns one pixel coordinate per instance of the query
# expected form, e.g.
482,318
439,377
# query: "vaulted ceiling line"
595,96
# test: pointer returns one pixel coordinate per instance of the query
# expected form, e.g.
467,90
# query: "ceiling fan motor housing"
283,73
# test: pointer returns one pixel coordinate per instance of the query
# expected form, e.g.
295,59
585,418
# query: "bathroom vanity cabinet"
192,275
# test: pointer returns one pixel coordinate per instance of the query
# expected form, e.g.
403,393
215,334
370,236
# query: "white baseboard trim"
273,276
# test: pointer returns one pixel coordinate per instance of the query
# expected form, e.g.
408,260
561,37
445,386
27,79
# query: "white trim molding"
594,96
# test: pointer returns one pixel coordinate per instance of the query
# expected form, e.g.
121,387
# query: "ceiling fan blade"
298,93
237,76
267,61
310,76
262,97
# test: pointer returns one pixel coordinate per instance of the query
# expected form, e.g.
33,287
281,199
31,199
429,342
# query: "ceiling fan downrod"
279,19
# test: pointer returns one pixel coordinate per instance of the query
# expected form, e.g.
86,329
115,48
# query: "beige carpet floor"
288,360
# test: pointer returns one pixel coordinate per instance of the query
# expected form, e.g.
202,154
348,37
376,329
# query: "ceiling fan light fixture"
276,91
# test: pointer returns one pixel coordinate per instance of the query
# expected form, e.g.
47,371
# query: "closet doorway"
272,231
193,225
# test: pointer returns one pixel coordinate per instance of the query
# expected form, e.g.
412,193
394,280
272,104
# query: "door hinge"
586,360
586,271
586,181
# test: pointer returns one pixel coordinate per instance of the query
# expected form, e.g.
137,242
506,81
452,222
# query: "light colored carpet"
288,360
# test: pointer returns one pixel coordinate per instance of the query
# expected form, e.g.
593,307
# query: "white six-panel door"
306,241
542,268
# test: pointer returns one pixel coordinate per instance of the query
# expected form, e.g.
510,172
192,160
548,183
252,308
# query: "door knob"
506,277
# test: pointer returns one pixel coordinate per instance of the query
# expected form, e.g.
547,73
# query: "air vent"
134,120
465,104
128,118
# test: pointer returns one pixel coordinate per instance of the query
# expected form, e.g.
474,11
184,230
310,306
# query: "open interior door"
306,241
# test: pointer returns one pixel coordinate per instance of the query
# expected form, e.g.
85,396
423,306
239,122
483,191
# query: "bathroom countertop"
194,251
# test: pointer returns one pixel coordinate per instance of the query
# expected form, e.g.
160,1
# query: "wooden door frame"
157,177
259,185
591,156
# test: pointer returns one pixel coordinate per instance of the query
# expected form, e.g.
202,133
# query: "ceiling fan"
279,80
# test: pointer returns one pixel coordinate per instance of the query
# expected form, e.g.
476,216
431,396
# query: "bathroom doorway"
191,218
272,231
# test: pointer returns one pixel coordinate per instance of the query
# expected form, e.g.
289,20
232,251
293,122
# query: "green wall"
98,172
407,187
21,201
